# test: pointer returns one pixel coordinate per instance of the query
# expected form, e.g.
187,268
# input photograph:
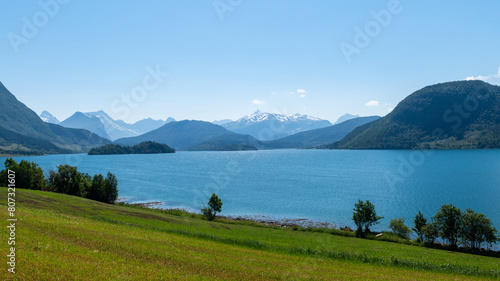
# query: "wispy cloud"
258,102
301,91
372,103
494,78
302,96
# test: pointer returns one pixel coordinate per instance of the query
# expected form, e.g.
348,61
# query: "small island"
147,147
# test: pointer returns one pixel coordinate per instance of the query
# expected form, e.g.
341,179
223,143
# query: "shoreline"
265,220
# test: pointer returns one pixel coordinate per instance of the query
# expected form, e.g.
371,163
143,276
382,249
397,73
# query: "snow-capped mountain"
103,125
49,118
271,126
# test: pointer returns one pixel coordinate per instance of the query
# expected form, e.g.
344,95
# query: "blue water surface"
320,185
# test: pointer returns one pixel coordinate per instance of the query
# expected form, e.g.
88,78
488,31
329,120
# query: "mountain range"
103,125
23,132
453,115
271,126
464,114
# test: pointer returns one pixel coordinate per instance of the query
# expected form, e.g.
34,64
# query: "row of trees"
67,180
469,228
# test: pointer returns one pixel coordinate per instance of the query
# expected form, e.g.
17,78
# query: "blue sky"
228,58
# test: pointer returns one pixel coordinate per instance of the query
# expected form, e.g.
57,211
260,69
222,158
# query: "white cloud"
302,96
494,78
258,102
301,91
372,103
479,77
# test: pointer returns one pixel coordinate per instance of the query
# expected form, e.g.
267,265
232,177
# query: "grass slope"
62,237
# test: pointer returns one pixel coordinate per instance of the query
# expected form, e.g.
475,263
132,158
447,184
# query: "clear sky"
228,58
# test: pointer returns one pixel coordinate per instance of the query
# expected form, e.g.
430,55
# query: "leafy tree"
69,181
111,189
364,216
398,226
419,222
214,207
430,232
97,188
476,229
448,221
28,174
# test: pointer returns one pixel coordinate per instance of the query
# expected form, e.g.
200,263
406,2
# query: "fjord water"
320,185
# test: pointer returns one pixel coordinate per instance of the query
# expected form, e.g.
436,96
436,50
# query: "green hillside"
70,238
454,115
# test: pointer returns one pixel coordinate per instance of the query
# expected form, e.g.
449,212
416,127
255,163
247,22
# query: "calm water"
320,185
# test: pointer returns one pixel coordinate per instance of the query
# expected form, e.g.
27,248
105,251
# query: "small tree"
448,221
214,207
430,232
28,174
364,216
69,181
419,222
476,229
97,188
110,189
398,227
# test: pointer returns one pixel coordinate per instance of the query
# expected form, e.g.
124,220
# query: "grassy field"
62,237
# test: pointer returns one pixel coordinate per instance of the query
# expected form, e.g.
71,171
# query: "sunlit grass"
70,238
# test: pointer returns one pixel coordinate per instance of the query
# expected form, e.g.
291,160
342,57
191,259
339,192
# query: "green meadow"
60,237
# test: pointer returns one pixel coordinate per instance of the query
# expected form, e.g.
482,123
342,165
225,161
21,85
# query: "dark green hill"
23,132
453,115
322,136
183,135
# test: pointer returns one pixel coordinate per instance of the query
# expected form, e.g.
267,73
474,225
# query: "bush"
364,216
398,227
